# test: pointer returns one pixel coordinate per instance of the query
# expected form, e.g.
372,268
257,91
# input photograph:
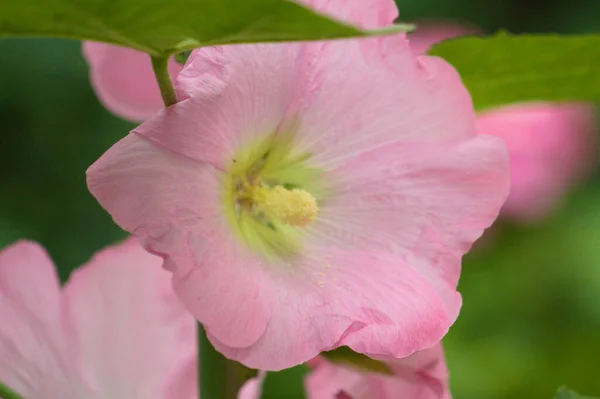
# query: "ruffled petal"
173,204
421,376
371,301
359,95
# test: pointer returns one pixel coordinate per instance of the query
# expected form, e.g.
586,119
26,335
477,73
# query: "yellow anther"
295,207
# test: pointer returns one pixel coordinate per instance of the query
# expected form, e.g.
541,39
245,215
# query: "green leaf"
346,356
161,27
287,383
504,69
566,393
7,393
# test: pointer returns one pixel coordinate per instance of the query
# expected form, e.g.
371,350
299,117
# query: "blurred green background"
531,315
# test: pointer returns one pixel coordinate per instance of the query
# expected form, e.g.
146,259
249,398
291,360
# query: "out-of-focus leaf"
288,384
165,27
505,69
346,356
566,393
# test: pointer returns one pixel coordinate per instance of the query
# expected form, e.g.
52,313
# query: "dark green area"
531,315
288,384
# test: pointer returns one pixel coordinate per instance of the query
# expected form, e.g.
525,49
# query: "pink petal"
181,218
342,98
366,14
35,355
421,376
364,94
423,200
331,298
429,33
124,80
122,299
239,93
550,148
252,389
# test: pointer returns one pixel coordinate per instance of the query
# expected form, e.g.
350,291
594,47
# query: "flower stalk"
219,378
161,71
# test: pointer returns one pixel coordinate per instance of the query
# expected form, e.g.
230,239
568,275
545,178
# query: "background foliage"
531,315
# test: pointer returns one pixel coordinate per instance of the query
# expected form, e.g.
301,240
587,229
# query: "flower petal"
123,299
425,200
180,218
366,14
124,80
35,356
239,93
149,190
362,94
371,301
421,376
252,389
551,147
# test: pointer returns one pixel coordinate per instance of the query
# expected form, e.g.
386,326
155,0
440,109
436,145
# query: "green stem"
161,71
219,378
7,393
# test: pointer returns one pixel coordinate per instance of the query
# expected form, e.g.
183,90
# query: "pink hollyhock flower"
311,195
124,80
115,330
550,145
423,375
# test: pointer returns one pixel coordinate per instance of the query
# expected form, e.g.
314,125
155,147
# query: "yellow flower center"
295,207
271,193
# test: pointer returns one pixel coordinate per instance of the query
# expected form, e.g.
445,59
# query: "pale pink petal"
132,334
424,200
428,33
240,93
551,147
421,376
124,80
329,381
252,389
339,98
180,217
364,94
330,298
366,14
36,359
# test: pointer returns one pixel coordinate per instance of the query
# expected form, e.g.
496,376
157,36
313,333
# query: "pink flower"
311,195
115,330
423,375
124,80
550,145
